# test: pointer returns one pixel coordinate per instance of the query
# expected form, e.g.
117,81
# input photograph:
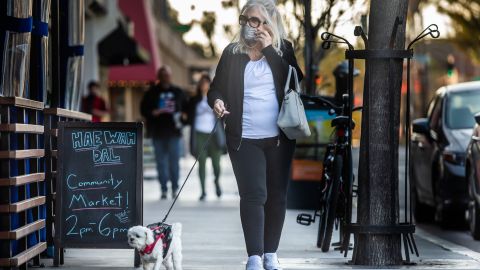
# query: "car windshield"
461,107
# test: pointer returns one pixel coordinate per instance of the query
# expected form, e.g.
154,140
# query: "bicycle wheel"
331,207
346,218
328,167
321,222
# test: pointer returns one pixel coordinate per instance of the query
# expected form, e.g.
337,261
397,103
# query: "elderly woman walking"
248,91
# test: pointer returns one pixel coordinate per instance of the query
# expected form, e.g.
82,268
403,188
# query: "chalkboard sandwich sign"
99,184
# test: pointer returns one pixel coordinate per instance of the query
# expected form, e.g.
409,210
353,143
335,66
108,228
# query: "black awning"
118,48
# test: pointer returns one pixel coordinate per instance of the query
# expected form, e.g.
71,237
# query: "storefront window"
74,76
76,37
45,17
76,22
16,54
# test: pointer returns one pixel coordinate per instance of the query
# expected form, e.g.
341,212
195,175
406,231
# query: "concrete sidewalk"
212,235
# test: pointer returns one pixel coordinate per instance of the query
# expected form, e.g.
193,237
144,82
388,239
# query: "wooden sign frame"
59,239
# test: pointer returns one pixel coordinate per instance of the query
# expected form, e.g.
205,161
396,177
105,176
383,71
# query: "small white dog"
158,244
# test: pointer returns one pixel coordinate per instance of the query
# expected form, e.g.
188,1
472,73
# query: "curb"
447,245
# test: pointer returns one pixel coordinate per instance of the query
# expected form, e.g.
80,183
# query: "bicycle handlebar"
323,101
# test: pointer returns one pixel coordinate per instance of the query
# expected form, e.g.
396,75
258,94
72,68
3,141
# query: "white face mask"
248,33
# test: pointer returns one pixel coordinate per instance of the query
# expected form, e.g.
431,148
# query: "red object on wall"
144,34
307,170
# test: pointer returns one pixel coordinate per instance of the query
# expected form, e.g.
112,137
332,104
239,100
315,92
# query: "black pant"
262,170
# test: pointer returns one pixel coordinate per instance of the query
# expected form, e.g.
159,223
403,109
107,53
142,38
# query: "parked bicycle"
337,190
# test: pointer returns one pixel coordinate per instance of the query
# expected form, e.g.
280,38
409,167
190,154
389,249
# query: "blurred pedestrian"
202,120
162,106
248,89
94,104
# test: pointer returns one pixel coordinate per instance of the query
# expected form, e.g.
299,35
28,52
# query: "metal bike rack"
406,227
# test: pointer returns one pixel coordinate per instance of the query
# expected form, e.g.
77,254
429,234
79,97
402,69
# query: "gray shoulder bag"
292,119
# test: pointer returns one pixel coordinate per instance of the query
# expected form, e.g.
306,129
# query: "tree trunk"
378,174
309,43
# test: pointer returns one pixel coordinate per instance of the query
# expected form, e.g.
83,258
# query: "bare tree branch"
465,18
327,19
333,24
324,17
299,19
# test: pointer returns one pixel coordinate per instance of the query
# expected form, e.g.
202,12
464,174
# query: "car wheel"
474,219
441,212
421,212
473,208
441,216
447,216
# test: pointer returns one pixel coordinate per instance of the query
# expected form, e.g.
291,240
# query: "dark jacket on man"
228,83
163,125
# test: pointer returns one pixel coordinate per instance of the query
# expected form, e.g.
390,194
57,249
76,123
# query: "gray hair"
269,10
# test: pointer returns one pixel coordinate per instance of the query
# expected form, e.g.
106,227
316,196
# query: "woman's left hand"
264,37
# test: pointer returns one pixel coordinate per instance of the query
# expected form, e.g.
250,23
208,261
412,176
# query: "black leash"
204,147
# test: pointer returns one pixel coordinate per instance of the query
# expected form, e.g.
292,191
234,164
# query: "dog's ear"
149,236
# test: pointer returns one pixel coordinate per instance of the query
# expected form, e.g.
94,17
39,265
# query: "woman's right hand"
219,108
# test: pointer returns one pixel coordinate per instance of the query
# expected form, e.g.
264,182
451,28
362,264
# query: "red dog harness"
160,231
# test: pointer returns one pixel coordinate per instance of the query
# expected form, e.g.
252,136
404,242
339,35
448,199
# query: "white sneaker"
254,263
270,261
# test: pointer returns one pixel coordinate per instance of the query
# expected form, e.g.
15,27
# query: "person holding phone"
248,89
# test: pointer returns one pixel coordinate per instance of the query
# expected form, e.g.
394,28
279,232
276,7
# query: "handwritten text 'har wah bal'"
102,144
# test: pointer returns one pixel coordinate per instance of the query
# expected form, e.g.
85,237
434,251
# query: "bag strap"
287,84
297,84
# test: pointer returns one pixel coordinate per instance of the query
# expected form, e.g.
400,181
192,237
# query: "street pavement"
212,234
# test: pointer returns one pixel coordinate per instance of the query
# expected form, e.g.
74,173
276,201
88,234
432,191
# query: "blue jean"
167,155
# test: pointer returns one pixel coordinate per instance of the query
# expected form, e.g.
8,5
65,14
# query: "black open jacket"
228,84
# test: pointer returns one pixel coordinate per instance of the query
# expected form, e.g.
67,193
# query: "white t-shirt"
204,119
260,106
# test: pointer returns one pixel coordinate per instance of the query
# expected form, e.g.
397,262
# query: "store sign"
99,184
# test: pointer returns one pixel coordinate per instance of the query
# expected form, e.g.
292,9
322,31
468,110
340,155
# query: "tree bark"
378,170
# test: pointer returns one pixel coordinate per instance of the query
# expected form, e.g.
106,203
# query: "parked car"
438,152
473,179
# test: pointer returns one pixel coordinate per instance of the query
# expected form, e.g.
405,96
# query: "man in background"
162,106
93,103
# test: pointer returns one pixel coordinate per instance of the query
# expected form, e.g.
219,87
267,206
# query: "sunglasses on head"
252,21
